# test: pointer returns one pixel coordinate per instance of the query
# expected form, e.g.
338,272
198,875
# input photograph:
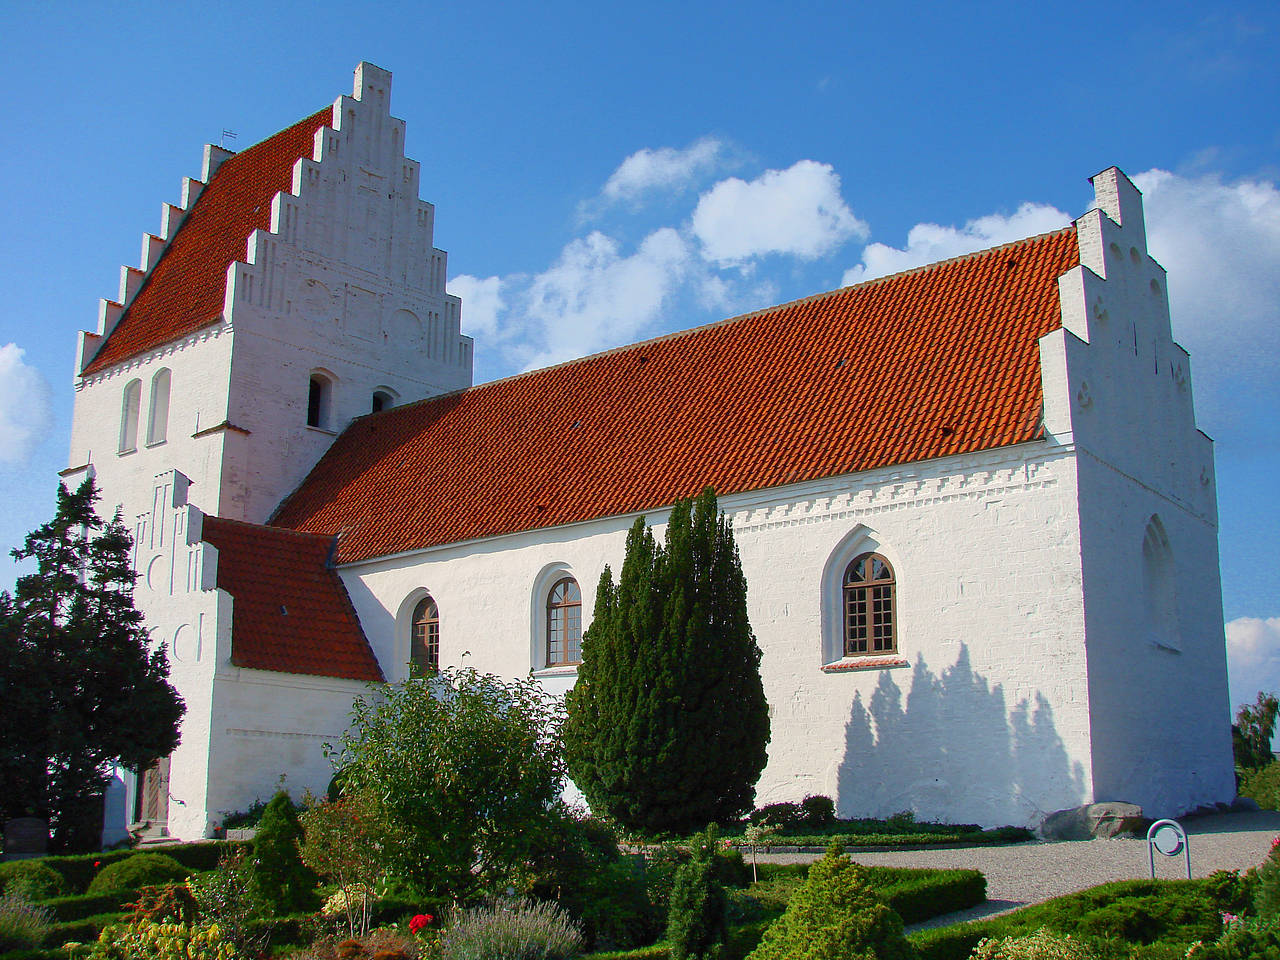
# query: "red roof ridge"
737,318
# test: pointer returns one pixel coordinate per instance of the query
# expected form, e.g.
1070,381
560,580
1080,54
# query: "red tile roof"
185,290
937,361
292,613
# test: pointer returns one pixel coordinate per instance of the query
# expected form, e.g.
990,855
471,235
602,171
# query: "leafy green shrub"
161,941
225,896
281,882
32,879
23,924
1266,898
79,870
696,920
66,909
1263,785
1241,941
1044,944
172,902
835,916
81,931
784,815
817,811
139,870
511,930
917,895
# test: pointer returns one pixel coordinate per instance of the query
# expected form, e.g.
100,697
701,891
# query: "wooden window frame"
868,608
568,609
424,635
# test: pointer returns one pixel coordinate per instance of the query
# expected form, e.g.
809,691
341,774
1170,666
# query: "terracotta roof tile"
859,378
186,289
292,613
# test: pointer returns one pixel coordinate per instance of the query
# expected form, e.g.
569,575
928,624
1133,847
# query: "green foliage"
173,902
161,941
66,909
1241,941
281,882
1266,898
668,725
818,811
225,896
139,870
464,767
835,916
23,924
697,921
1251,733
1044,944
71,641
1263,785
344,842
79,869
32,879
511,930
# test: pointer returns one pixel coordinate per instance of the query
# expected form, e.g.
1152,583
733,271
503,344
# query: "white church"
977,521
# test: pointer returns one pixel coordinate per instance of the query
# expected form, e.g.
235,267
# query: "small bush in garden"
32,879
344,843
161,941
785,816
282,883
1243,939
1263,785
140,870
511,930
172,902
23,924
383,944
696,920
1266,898
835,916
817,811
1042,945
225,896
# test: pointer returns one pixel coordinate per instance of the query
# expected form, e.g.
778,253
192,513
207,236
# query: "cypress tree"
668,725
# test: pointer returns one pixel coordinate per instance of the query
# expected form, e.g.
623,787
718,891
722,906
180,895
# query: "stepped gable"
292,613
937,361
186,290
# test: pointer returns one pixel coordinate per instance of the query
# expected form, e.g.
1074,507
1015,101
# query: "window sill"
853,664
325,430
156,443
125,453
559,670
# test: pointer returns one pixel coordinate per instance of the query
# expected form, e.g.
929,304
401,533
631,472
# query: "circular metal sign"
1168,840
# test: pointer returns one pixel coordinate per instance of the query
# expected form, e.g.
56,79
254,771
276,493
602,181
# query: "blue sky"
605,173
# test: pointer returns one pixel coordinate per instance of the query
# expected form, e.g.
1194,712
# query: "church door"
153,794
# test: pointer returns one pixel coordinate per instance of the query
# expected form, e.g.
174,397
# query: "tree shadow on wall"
955,752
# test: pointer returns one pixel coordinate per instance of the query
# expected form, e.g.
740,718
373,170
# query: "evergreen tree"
668,725
281,882
81,687
697,923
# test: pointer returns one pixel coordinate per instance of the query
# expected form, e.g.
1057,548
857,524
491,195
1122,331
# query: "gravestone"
25,837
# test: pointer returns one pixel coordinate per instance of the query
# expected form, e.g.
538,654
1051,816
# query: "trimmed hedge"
41,954
915,894
945,835
67,909
142,870
79,869
78,931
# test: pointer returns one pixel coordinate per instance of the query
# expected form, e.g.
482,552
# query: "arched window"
382,400
564,623
424,640
868,607
158,419
319,400
1159,594
129,412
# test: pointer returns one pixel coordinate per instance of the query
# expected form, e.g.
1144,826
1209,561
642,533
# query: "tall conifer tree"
668,725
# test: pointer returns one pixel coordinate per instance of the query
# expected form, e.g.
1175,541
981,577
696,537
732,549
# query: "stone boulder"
1094,821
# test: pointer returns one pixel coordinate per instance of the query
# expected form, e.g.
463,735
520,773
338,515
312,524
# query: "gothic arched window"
564,623
130,409
424,639
158,419
868,607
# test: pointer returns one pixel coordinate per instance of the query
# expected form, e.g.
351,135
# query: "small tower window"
319,401
382,400
130,409
158,420
424,641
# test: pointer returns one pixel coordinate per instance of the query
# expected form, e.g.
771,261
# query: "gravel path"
1030,872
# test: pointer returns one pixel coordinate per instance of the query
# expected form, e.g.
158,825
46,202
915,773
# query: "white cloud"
931,242
594,297
25,407
797,211
1220,243
481,303
1253,656
665,168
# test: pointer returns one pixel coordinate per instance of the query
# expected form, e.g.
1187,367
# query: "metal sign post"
1168,837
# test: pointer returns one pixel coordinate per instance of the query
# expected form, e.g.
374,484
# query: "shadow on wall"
954,753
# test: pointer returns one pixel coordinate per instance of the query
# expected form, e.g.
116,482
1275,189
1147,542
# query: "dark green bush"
80,869
697,922
32,879
818,811
139,870
784,815
66,909
1242,942
1263,785
1266,896
835,916
80,931
281,883
919,895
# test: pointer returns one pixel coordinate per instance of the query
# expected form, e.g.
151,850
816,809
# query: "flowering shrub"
22,923
1044,944
357,897
161,941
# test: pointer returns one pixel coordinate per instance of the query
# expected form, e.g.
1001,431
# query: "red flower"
418,921
97,864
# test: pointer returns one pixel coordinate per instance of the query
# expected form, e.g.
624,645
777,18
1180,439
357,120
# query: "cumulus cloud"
481,303
797,211
1220,243
25,407
665,168
1253,657
930,242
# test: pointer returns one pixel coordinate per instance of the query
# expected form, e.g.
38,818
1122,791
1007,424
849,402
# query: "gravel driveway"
1029,872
